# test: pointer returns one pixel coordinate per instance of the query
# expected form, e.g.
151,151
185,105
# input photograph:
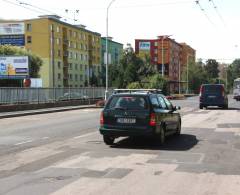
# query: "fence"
49,95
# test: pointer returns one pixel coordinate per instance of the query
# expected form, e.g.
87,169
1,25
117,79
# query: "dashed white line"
25,142
85,135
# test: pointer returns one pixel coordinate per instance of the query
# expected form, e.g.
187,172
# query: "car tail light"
101,119
152,120
222,88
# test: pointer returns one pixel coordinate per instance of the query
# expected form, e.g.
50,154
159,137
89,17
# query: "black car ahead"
213,95
139,114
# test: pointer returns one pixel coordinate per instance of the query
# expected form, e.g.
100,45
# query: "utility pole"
106,91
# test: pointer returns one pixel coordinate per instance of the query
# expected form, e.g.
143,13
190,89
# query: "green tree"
233,72
212,68
196,76
35,62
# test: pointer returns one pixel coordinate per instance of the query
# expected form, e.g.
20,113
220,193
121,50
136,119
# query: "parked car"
72,96
213,95
139,114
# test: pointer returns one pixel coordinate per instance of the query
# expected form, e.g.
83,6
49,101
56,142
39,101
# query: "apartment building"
168,56
71,53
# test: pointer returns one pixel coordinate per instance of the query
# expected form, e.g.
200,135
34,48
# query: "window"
131,103
74,34
59,65
29,27
76,55
70,33
70,76
81,46
169,104
58,29
86,57
29,39
59,76
155,44
76,77
70,66
162,102
86,67
70,54
76,86
81,77
81,67
58,41
75,45
155,59
154,101
85,47
81,56
59,53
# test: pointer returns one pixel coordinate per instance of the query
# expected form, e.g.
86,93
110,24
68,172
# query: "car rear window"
212,88
128,103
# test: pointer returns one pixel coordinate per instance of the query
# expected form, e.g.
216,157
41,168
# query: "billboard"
16,40
144,46
12,28
14,67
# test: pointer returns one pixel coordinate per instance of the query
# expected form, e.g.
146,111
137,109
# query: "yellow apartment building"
71,53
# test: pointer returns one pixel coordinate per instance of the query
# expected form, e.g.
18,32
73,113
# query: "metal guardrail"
49,95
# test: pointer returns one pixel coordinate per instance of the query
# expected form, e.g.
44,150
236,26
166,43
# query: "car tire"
178,130
162,135
108,140
225,106
200,106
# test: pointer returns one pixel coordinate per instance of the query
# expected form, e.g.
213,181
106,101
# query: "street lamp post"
187,74
106,91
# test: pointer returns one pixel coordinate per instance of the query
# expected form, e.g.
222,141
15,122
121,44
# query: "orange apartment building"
168,56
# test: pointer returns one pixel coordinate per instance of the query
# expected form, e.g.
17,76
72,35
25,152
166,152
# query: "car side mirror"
175,108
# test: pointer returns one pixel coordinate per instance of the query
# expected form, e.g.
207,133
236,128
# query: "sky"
211,27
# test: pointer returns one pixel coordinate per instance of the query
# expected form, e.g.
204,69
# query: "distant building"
168,55
115,51
71,53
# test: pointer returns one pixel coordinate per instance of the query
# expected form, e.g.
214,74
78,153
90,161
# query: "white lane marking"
25,142
85,135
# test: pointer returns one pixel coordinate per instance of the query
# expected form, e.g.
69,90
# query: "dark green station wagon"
139,113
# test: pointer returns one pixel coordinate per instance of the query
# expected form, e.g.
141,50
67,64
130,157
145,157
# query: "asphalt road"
63,153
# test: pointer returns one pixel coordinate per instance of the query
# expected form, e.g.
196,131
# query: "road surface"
63,153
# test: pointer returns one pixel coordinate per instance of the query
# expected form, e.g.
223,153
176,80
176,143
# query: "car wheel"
108,139
162,135
178,130
225,106
200,106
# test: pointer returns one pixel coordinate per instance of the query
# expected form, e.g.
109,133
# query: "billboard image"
14,67
144,49
12,28
16,40
144,45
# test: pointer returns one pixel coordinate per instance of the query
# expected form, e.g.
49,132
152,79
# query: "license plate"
126,120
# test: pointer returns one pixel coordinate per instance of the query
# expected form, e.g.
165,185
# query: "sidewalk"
43,111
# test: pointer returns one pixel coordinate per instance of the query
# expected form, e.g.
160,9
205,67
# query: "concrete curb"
35,112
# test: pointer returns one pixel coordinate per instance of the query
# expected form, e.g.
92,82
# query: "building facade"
115,50
70,53
168,56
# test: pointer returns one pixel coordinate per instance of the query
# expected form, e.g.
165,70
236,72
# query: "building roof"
112,41
55,18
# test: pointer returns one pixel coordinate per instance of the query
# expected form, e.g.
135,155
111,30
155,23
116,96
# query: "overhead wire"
204,12
217,11
16,4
